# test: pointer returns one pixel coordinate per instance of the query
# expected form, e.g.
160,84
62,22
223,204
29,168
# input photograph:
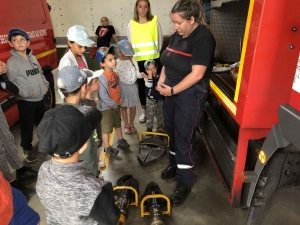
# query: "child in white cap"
78,40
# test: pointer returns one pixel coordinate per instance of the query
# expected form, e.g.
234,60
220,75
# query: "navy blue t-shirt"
198,49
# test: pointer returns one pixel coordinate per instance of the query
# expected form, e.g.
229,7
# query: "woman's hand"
2,67
164,89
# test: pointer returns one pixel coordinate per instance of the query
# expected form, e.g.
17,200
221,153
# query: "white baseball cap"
91,74
79,35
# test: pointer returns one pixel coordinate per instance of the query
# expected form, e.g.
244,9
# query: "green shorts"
111,119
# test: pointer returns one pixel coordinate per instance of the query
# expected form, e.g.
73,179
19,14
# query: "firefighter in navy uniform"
187,65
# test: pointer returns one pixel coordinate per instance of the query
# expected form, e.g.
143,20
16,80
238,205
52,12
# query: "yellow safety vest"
144,38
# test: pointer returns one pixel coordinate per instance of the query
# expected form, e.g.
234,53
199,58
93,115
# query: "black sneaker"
28,192
169,172
30,156
180,194
112,151
123,143
27,174
149,130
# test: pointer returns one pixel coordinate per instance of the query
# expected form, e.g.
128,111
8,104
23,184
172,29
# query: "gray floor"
207,203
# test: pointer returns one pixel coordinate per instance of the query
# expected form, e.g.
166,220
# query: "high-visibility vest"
144,38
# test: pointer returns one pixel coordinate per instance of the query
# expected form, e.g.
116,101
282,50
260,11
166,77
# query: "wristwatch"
172,91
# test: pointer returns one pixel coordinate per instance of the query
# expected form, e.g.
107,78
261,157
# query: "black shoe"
169,172
28,192
27,174
111,150
180,194
29,156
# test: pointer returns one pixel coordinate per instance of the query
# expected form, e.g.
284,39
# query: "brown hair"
188,8
136,15
103,18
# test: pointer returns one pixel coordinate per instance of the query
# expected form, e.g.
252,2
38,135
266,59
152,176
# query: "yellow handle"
168,211
154,133
136,202
122,220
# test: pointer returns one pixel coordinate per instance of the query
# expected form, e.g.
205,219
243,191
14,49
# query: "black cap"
63,131
93,115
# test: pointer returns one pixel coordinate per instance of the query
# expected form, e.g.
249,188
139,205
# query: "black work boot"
28,192
180,194
26,173
169,172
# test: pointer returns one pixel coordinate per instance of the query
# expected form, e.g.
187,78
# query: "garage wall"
87,13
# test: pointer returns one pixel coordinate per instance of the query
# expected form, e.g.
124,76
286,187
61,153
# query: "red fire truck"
251,123
33,17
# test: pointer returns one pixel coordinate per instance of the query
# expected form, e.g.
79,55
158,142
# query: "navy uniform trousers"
182,116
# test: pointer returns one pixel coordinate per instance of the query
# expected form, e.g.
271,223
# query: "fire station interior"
210,201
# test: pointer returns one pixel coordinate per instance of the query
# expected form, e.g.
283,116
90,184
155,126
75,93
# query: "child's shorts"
111,119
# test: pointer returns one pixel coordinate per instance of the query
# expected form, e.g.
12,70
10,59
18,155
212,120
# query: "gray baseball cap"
79,35
70,78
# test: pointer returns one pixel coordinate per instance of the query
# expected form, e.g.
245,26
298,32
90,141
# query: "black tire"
281,171
50,96
49,99
283,207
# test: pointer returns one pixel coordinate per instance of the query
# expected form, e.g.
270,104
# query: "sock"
144,111
21,170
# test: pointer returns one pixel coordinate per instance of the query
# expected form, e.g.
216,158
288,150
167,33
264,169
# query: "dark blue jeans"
31,113
182,116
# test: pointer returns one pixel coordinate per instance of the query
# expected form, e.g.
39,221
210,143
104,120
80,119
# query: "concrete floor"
207,203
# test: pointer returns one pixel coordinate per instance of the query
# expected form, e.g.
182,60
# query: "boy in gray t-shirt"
66,187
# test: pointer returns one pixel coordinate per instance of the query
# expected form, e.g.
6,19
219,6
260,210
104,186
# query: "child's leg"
132,114
27,119
105,138
132,117
117,125
39,111
119,133
125,116
150,114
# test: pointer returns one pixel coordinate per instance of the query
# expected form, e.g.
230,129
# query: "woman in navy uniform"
184,80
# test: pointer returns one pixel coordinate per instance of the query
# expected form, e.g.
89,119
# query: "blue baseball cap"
103,51
126,47
70,78
18,31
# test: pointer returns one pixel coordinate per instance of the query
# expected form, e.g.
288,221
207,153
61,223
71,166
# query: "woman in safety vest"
144,33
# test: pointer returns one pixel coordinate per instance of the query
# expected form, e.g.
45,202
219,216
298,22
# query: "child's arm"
46,83
137,70
104,93
149,80
104,209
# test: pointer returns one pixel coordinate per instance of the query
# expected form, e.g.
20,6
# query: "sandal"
127,130
133,129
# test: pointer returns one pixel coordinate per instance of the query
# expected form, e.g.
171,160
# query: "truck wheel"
49,99
281,171
283,207
50,96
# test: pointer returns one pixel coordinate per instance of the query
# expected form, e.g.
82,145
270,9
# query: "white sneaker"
101,164
142,118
